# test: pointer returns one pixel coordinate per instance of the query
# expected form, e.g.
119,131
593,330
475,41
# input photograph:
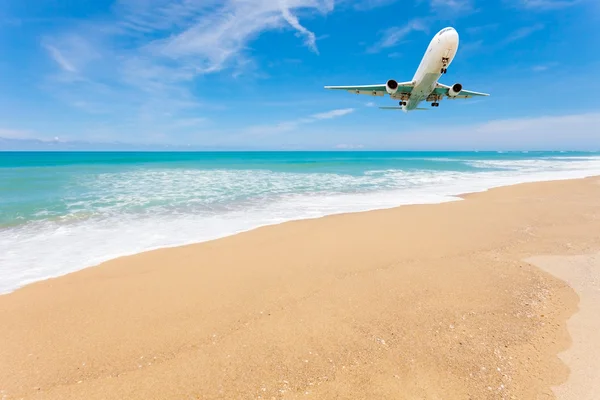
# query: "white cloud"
451,5
310,39
553,132
184,37
219,38
470,47
563,124
543,67
440,10
62,62
345,146
539,68
522,33
136,65
392,36
73,53
15,134
291,125
370,4
332,114
543,5
476,30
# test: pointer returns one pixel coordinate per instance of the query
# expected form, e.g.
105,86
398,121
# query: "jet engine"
455,90
391,86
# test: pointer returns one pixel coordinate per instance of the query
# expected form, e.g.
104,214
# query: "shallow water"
60,212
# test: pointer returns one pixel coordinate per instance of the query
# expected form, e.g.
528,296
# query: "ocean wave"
102,215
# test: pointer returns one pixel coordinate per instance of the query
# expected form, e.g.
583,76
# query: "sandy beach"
461,300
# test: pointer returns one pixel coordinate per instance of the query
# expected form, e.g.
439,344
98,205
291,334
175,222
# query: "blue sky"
249,74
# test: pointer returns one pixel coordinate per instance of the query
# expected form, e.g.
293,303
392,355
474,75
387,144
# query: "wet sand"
417,302
582,273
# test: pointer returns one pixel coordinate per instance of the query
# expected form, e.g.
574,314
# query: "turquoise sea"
63,211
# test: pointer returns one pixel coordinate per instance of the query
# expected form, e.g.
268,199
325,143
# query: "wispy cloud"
476,30
309,37
331,114
15,134
556,132
543,5
551,132
563,124
362,5
72,52
455,6
219,39
178,40
471,47
137,64
440,9
437,6
347,146
62,62
543,67
9,21
291,125
392,36
522,33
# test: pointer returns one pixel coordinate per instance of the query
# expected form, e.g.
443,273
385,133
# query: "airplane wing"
374,90
443,90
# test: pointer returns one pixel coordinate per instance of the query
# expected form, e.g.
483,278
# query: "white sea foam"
123,213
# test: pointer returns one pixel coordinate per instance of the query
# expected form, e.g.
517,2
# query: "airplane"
425,85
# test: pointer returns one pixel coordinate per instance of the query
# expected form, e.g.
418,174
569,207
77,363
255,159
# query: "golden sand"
417,302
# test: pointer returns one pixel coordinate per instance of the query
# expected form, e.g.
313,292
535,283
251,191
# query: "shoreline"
582,273
426,300
447,198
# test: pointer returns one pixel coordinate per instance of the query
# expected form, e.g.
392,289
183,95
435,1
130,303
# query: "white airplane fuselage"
437,58
425,85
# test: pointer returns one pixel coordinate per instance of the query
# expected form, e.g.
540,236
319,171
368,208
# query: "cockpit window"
445,30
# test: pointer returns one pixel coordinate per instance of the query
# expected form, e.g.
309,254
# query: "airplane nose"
451,37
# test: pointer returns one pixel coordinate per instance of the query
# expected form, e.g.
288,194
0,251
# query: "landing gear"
435,104
445,61
402,103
